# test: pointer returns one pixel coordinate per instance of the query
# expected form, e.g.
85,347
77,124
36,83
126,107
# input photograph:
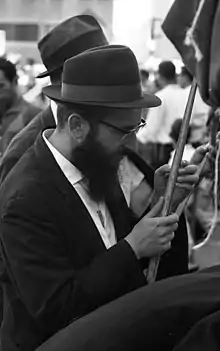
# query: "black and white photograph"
109,175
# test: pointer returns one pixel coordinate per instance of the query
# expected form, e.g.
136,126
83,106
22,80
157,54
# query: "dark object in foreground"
155,317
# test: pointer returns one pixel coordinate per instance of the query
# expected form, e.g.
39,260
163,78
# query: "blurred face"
98,157
183,81
4,83
160,81
7,93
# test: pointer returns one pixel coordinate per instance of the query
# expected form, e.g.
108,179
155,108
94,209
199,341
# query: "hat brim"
147,101
49,72
43,74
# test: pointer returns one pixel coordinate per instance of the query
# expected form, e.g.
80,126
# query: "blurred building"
26,21
163,48
136,23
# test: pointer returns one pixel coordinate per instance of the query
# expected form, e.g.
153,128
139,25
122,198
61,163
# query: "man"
156,135
16,107
81,32
67,39
69,240
200,110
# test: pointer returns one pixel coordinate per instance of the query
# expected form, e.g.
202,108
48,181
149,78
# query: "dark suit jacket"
204,336
16,118
58,266
23,140
152,318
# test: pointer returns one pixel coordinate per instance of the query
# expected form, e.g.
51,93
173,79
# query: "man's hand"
186,180
207,153
152,235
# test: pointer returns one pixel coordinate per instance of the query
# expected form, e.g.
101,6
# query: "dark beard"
99,167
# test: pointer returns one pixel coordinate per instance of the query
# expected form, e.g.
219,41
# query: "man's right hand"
152,235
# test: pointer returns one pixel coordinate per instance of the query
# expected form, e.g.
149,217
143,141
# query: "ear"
78,127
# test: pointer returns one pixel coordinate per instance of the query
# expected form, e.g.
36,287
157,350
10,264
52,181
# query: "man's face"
7,93
98,157
182,81
4,82
118,129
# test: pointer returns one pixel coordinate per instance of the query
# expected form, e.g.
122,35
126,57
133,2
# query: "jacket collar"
47,119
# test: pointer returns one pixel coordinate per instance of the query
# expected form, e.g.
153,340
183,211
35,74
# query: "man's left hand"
206,153
186,180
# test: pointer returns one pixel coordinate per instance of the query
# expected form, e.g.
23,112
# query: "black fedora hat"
104,76
68,39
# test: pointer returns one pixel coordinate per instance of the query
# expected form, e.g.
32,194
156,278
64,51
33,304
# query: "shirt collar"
73,175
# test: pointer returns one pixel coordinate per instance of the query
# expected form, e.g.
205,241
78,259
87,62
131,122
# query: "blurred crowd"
21,97
158,140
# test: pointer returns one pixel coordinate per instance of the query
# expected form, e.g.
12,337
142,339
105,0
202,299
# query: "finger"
166,231
190,169
163,169
186,187
184,163
169,220
166,246
166,238
190,179
156,210
199,154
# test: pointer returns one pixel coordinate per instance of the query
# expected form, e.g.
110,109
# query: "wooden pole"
154,262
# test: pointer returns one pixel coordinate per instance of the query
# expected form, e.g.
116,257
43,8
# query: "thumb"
156,210
199,154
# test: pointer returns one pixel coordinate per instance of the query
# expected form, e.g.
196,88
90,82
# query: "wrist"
131,243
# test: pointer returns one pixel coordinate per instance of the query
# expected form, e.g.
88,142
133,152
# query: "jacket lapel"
120,212
78,213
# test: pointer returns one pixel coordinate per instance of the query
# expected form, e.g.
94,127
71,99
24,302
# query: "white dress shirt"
161,118
129,178
98,211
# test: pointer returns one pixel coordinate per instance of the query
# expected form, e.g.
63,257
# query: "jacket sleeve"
54,293
175,261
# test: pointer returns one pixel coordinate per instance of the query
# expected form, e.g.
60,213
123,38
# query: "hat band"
90,93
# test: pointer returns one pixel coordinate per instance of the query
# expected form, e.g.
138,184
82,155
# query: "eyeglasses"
126,132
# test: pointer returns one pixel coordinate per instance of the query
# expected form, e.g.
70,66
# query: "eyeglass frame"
126,132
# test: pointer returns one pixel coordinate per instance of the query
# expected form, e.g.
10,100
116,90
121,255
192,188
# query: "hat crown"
69,38
111,65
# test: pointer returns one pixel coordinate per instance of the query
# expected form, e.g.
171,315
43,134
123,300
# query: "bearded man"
72,236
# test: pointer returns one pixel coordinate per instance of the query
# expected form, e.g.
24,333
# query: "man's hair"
175,130
9,69
91,114
167,70
185,72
